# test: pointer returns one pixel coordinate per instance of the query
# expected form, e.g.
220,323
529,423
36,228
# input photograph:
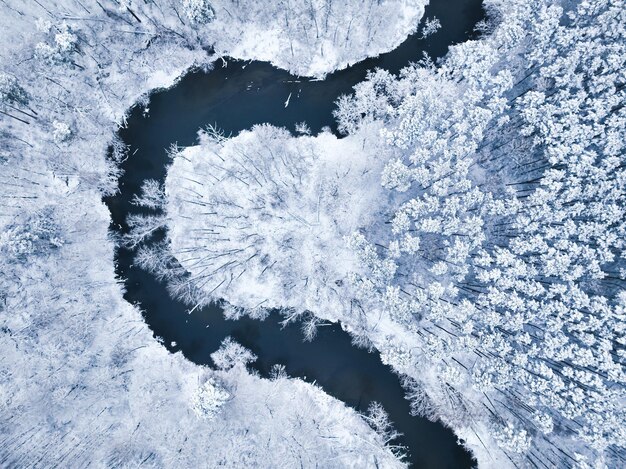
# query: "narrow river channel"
235,98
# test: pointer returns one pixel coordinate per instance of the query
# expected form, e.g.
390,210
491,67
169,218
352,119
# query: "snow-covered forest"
486,263
82,380
469,225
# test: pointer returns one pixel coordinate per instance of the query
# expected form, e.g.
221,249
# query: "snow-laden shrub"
278,371
398,354
209,399
59,48
430,27
231,354
302,128
61,131
11,91
378,419
199,11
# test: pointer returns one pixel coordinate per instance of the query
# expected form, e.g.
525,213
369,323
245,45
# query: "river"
235,98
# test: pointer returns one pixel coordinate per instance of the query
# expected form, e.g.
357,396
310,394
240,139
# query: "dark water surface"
235,98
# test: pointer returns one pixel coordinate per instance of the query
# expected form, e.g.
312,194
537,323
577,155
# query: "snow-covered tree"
209,399
61,131
199,11
517,206
430,27
10,90
59,48
231,354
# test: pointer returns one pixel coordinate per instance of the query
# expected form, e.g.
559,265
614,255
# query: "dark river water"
235,98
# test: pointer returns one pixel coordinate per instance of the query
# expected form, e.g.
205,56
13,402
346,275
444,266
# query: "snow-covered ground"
82,381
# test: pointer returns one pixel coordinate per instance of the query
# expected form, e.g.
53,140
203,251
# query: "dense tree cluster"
313,37
507,256
199,11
